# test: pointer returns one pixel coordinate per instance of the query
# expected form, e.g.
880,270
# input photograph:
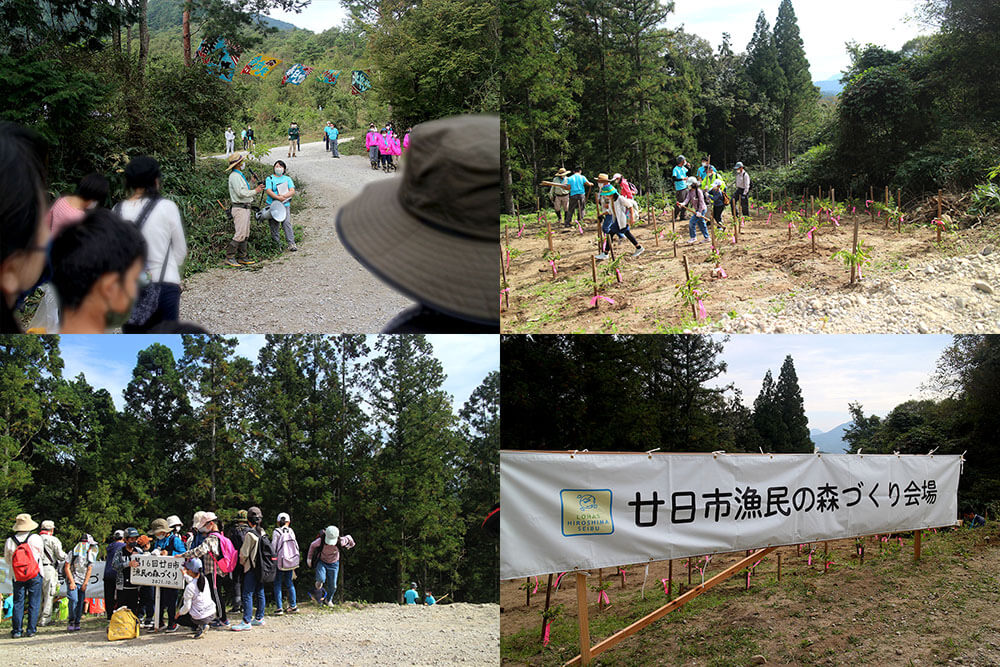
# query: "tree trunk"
191,149
505,177
215,407
143,39
187,32
116,35
128,40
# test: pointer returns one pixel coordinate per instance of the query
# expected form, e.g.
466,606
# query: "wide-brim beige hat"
432,234
159,526
562,172
603,178
236,159
23,522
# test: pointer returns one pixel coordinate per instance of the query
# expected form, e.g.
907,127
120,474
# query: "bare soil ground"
944,609
766,272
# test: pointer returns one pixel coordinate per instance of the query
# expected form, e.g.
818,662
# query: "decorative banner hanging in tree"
330,76
360,81
573,511
220,58
261,65
296,74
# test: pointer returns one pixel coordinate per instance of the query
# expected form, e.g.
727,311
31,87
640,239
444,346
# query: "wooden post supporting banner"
916,545
689,571
156,610
527,589
670,579
581,603
587,652
548,595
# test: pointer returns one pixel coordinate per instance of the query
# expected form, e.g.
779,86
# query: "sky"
880,372
107,360
320,15
825,26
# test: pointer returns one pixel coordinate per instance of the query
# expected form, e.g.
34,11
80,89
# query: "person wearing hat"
680,175
78,567
241,195
209,551
286,566
742,185
324,552
578,185
159,220
280,187
52,555
250,139
717,194
167,542
411,596
560,196
128,593
233,583
30,590
384,150
431,233
605,207
252,589
198,608
110,573
695,200
371,145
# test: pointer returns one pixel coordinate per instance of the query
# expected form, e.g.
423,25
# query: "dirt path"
320,288
381,634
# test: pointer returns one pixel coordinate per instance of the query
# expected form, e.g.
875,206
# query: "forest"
343,429
619,87
636,393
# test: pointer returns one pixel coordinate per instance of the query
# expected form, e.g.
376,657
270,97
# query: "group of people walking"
617,208
220,568
385,147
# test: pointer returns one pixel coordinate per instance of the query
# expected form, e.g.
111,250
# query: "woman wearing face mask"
24,236
159,220
280,187
91,192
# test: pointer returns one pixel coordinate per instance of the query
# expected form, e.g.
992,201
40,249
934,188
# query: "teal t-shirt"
411,596
429,599
272,182
680,173
576,184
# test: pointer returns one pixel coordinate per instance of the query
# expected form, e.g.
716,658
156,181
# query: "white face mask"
279,171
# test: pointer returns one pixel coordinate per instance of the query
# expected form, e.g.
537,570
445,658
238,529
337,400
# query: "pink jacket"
371,139
406,141
394,146
383,145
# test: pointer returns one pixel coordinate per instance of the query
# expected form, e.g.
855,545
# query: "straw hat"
603,178
236,159
431,234
562,172
23,523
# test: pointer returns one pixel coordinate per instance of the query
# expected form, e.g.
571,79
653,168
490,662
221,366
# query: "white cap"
284,515
332,535
616,177
718,183
174,520
692,181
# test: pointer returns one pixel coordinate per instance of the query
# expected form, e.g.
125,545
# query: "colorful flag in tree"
261,65
220,58
360,81
330,76
296,74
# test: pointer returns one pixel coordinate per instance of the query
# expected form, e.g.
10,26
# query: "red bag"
23,561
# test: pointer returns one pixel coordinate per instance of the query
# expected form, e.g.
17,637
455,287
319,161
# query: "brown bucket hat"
432,233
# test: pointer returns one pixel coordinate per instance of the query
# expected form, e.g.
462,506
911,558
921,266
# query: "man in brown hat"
560,196
23,553
432,233
241,196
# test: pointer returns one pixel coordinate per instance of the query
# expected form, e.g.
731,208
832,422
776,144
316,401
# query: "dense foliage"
324,428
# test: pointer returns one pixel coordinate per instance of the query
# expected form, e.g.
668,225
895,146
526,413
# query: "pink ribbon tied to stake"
545,639
593,301
603,597
552,263
809,234
505,290
665,591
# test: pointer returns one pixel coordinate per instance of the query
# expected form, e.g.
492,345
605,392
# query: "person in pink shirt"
371,145
395,150
91,192
385,157
406,139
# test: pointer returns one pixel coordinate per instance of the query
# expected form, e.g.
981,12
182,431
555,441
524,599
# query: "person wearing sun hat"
560,196
78,568
605,207
241,195
209,550
29,591
431,233
166,542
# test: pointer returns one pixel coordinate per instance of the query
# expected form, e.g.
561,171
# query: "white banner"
162,571
95,587
564,512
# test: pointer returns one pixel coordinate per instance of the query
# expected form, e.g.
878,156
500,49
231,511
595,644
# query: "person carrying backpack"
235,533
166,543
23,553
257,561
286,549
79,566
325,553
212,552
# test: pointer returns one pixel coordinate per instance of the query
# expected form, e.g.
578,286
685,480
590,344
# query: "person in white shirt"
52,555
622,207
286,549
230,140
197,609
30,588
166,246
742,185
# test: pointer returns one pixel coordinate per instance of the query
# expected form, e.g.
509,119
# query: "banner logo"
586,512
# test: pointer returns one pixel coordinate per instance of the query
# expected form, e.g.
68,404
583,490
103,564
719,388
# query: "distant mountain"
831,87
163,14
832,441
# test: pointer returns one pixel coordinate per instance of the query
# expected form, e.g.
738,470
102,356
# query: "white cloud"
249,345
467,359
83,354
320,15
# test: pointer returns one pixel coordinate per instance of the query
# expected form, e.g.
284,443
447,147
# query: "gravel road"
320,288
379,634
946,295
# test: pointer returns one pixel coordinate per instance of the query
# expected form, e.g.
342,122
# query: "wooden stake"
833,197
779,566
916,546
587,652
939,204
675,246
689,562
503,274
548,595
855,251
899,198
581,603
694,314
670,578
593,271
527,589
548,232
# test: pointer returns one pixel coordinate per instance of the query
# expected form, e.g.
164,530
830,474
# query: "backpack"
230,556
23,561
288,552
266,565
725,198
123,625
